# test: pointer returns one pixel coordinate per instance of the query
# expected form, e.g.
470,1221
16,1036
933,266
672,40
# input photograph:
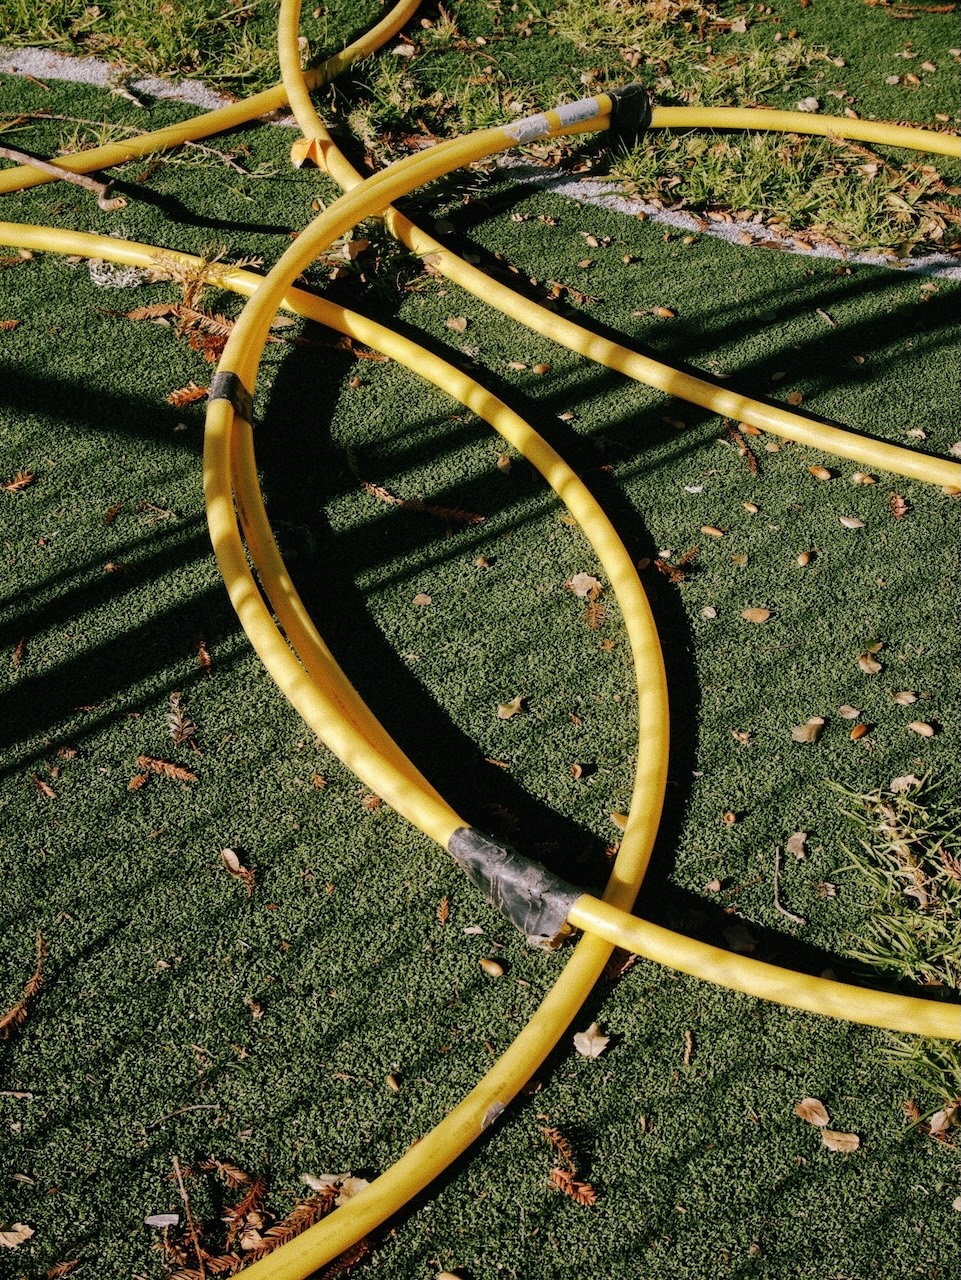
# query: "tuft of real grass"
908,856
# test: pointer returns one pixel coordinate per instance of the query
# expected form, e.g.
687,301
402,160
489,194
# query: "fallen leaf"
795,844
44,788
795,398
708,611
904,783
848,712
813,1111
851,522
808,104
904,697
810,731
506,710
166,769
14,1235
591,1043
869,664
579,1191
944,1119
541,368
187,395
923,728
899,506
584,586
392,1082
712,531
457,323
20,481
835,1141
756,615
236,868
162,1220
422,599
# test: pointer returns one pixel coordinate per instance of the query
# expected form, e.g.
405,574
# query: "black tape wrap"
531,897
227,386
630,115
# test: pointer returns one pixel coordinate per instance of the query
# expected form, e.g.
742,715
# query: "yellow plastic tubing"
389,1192
654,373
211,122
485,1102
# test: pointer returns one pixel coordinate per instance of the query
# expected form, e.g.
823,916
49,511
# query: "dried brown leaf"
507,710
756,615
12,1236
60,1269
179,723
869,664
591,1043
594,615
923,728
618,964
836,1141
810,731
584,586
813,1111
187,395
17,1015
166,769
155,311
44,788
203,654
851,522
19,482
457,323
236,868
796,842
899,506
577,1190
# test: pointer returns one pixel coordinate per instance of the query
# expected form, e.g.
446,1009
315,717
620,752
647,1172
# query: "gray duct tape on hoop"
227,386
530,896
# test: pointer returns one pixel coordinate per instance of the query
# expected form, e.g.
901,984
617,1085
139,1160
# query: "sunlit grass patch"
909,857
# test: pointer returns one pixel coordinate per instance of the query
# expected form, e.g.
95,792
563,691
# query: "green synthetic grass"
702,1168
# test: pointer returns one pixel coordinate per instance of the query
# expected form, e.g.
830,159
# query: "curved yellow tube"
413,1172
765,981
873,131
429,811
770,418
211,122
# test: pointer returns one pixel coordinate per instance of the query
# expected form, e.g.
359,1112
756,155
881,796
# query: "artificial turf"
180,1018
